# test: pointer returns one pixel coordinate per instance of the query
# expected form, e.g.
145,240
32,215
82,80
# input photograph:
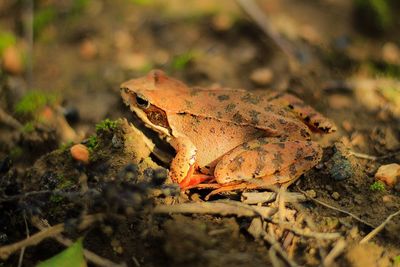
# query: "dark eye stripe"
142,102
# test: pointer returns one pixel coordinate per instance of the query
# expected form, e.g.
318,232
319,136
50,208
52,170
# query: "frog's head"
146,96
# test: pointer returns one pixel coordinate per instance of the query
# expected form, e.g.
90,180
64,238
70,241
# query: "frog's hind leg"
310,116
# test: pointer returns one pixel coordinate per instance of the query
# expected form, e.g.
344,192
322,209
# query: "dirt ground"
71,57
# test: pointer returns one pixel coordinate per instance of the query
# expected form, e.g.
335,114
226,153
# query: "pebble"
12,61
391,53
389,174
335,195
311,193
339,166
222,22
80,153
88,49
262,76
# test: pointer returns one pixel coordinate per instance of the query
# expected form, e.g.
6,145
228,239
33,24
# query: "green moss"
28,127
106,125
56,198
65,146
396,261
92,143
378,12
79,5
6,39
180,62
141,2
377,186
16,152
33,101
42,18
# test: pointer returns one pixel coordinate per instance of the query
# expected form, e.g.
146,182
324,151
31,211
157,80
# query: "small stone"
358,199
328,187
262,76
353,233
311,193
116,245
331,222
391,53
80,153
117,142
389,174
335,195
12,61
222,22
88,49
339,166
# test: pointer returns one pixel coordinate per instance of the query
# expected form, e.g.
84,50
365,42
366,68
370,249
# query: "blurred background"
62,62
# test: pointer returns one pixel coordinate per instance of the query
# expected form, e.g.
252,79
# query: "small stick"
305,233
21,255
275,245
217,207
334,253
41,224
378,229
9,120
273,258
336,209
366,156
7,250
251,8
362,155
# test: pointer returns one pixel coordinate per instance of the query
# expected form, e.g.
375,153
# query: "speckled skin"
230,134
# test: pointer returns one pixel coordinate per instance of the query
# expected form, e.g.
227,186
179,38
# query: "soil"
86,49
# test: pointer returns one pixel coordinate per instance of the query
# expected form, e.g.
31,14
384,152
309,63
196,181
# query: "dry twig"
9,120
335,252
260,18
378,229
226,207
7,250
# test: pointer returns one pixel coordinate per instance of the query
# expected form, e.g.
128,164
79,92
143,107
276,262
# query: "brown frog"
238,138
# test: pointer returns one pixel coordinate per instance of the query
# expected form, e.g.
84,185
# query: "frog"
225,138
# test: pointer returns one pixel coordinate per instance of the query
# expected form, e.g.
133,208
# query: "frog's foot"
194,181
310,116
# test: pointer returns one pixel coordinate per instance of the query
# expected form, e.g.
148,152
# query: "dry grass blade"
378,229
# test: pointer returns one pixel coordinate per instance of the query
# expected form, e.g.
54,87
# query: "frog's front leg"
267,161
184,163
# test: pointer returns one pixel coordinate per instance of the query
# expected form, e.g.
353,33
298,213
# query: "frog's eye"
142,101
